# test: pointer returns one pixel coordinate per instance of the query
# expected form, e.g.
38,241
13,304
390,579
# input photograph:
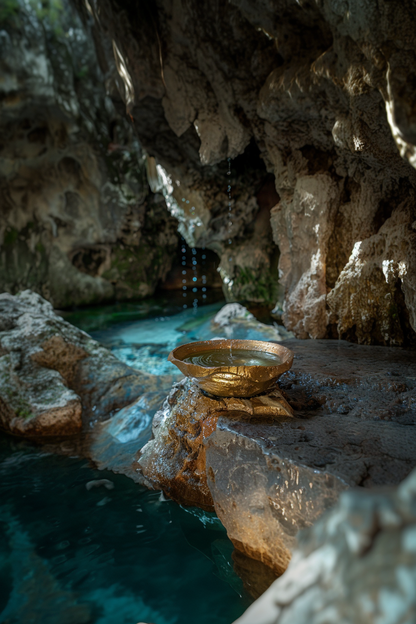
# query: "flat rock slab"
353,424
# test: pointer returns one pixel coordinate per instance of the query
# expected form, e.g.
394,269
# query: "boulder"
235,322
350,421
175,459
356,564
54,378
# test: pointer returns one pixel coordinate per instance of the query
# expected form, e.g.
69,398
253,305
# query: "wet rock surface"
174,460
54,378
353,424
356,564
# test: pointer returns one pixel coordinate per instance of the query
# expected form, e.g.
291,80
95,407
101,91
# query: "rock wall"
323,91
78,222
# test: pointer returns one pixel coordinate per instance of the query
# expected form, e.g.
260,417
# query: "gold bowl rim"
264,372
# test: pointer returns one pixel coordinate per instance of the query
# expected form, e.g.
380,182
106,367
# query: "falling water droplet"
195,277
184,280
230,223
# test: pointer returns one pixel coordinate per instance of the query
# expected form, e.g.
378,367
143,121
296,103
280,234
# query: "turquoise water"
72,555
142,339
143,334
76,552
109,316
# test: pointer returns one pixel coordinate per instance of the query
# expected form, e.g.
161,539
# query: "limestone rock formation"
175,459
268,477
53,377
318,94
357,564
78,222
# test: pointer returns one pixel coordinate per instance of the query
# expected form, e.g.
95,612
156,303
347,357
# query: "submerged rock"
267,478
54,378
357,564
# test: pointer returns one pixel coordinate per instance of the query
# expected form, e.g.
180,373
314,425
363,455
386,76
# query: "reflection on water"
78,545
107,317
233,357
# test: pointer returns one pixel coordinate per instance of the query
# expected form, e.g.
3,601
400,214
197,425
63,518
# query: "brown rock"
379,277
55,421
174,460
256,576
270,477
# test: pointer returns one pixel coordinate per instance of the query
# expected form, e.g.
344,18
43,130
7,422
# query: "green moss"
252,286
10,236
12,397
393,311
46,10
24,413
82,73
9,9
51,11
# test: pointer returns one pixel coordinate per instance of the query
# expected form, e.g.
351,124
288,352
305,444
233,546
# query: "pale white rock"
302,227
354,565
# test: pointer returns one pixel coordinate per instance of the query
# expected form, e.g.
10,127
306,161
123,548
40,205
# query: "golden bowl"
232,381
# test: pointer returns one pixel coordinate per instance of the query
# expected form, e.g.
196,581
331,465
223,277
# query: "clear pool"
74,551
73,555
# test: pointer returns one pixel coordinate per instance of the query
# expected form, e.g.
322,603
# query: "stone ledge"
267,478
